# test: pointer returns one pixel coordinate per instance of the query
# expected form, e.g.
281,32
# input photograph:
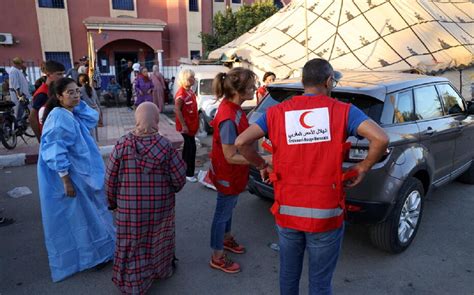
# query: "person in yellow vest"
308,134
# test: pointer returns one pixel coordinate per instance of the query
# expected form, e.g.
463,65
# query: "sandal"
6,221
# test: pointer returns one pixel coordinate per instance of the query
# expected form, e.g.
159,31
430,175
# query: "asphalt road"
440,260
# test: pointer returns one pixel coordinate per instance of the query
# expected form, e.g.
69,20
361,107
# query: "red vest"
308,135
229,179
42,89
189,110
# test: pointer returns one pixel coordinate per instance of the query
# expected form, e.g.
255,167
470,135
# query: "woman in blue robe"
78,228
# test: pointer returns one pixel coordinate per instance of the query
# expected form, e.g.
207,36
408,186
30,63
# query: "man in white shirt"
19,86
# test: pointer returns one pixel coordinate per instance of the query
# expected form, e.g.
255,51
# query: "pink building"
148,31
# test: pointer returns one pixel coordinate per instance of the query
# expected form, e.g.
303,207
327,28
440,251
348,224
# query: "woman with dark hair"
89,95
268,78
144,172
78,228
229,171
143,87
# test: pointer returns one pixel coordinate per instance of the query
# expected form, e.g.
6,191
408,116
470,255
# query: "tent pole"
306,27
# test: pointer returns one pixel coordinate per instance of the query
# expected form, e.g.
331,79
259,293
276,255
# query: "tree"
230,25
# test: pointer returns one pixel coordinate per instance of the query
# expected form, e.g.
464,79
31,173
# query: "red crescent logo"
303,115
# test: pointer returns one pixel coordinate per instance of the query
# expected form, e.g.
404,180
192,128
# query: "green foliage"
230,25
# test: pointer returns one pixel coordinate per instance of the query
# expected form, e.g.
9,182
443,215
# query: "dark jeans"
189,153
222,222
323,249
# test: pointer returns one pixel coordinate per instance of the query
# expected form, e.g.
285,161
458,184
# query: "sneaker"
232,246
225,264
191,178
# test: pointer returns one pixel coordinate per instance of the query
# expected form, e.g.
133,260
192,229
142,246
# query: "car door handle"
429,131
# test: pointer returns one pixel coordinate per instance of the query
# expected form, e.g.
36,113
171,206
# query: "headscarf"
145,78
147,117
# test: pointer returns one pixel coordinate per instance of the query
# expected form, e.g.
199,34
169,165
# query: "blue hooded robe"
79,231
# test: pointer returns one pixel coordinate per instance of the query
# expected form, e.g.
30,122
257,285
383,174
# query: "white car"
206,100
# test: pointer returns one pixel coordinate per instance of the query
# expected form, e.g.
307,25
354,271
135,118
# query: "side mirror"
470,107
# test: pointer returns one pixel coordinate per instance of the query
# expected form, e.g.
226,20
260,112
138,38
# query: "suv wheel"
398,231
468,176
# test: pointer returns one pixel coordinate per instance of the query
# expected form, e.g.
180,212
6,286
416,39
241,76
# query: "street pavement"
439,261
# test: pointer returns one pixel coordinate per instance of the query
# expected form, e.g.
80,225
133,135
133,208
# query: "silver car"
431,131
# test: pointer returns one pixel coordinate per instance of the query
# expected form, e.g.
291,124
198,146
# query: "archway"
112,57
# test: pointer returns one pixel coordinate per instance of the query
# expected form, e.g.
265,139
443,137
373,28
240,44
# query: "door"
438,132
121,59
455,107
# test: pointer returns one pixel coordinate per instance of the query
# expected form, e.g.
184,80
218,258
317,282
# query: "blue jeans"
222,222
323,249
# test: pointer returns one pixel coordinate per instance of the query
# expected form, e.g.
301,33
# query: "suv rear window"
370,106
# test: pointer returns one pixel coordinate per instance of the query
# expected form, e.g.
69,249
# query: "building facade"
146,31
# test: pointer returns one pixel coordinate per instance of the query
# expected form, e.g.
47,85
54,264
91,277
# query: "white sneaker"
191,179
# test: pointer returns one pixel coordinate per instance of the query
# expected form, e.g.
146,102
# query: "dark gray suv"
431,131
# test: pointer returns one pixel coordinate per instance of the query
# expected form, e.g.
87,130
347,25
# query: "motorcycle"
10,127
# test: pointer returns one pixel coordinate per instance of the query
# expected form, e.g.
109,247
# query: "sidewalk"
117,122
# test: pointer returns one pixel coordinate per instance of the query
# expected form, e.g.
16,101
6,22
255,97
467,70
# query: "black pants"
189,153
128,90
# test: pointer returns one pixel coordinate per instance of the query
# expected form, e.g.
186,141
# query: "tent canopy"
396,35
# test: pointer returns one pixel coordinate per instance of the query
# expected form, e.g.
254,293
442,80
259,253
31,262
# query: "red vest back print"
189,110
229,179
308,135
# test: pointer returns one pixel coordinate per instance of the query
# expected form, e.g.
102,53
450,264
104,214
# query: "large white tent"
396,35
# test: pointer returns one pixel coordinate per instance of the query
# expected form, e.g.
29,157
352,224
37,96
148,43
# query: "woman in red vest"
229,171
268,78
187,119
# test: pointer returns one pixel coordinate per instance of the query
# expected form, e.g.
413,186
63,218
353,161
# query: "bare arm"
232,156
179,114
378,142
34,123
244,144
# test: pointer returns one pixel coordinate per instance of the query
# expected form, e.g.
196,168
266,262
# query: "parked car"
431,131
206,100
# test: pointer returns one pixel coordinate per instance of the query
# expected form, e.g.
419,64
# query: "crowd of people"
79,194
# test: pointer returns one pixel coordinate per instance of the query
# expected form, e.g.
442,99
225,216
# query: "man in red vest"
54,71
308,135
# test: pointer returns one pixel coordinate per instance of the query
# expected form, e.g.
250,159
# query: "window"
403,107
193,5
51,3
236,1
453,103
195,54
427,103
123,4
62,57
218,0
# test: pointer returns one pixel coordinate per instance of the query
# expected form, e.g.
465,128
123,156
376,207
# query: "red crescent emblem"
303,115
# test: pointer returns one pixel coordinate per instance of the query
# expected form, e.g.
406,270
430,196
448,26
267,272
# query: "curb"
22,159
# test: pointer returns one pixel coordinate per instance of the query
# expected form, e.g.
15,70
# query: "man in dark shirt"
54,71
125,81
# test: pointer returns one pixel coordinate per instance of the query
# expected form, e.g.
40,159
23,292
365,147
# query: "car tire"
468,176
398,231
203,125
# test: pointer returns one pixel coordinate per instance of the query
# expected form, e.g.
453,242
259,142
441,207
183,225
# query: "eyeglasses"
334,82
73,91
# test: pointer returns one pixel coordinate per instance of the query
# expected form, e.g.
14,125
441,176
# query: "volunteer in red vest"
268,78
187,119
308,134
54,71
229,171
